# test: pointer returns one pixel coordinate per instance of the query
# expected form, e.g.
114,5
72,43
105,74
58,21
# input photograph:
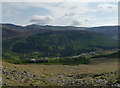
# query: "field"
95,74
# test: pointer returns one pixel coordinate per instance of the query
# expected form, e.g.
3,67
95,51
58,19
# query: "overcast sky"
80,14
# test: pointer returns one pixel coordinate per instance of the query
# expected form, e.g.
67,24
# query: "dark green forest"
56,44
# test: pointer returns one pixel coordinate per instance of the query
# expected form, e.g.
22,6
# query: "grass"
55,71
102,60
57,61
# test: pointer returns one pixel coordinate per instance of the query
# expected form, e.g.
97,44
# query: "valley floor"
102,74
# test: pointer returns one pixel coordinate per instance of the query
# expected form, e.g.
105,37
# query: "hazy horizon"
57,25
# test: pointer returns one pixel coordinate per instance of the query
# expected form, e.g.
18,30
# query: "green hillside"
111,55
56,44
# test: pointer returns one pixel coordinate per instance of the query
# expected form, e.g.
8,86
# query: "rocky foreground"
15,77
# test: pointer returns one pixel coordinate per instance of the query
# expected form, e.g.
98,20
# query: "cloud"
42,20
58,13
9,10
0,12
60,9
70,14
107,7
16,5
88,19
63,12
75,23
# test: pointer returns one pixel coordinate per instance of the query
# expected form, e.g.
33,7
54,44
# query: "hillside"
111,55
14,31
111,31
61,75
56,44
10,31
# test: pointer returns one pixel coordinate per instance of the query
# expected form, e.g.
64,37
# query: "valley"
37,55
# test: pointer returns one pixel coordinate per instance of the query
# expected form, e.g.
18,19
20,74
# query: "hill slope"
15,31
111,31
57,43
10,31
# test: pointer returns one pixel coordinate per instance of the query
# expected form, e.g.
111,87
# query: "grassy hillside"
111,55
55,44
61,75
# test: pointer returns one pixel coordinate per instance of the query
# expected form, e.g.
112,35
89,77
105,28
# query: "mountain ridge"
21,31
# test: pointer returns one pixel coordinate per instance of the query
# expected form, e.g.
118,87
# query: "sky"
80,14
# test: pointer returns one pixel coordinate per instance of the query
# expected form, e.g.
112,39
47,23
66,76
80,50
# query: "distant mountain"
15,31
62,28
111,31
11,26
10,31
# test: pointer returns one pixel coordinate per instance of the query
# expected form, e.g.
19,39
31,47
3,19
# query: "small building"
33,59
